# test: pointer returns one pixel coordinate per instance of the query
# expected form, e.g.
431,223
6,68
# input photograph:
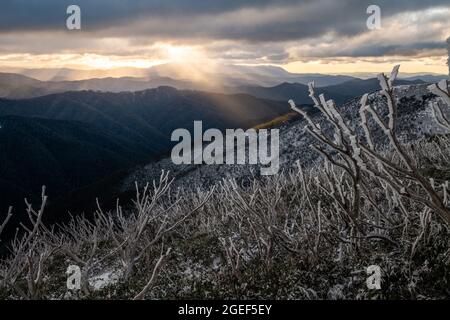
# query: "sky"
310,36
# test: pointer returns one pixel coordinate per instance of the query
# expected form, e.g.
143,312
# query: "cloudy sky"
326,36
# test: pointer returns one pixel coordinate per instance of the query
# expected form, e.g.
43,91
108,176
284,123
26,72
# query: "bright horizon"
92,62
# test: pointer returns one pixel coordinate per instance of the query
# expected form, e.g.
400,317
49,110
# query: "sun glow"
189,62
80,61
107,63
111,62
180,53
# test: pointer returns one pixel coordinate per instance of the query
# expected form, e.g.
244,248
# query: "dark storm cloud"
400,50
379,49
50,14
251,20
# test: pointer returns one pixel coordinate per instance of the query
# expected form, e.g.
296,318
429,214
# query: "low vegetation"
276,122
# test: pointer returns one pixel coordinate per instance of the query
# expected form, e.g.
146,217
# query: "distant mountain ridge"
240,75
358,87
228,74
15,86
430,78
300,94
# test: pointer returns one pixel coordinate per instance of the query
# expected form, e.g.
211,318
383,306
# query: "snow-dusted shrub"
25,270
352,148
441,115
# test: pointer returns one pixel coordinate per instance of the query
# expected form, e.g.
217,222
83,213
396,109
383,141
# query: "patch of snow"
216,263
105,279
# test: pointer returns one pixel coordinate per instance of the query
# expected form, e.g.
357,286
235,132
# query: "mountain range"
340,93
69,140
16,86
226,75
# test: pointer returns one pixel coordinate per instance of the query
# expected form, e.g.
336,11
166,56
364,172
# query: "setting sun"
180,53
